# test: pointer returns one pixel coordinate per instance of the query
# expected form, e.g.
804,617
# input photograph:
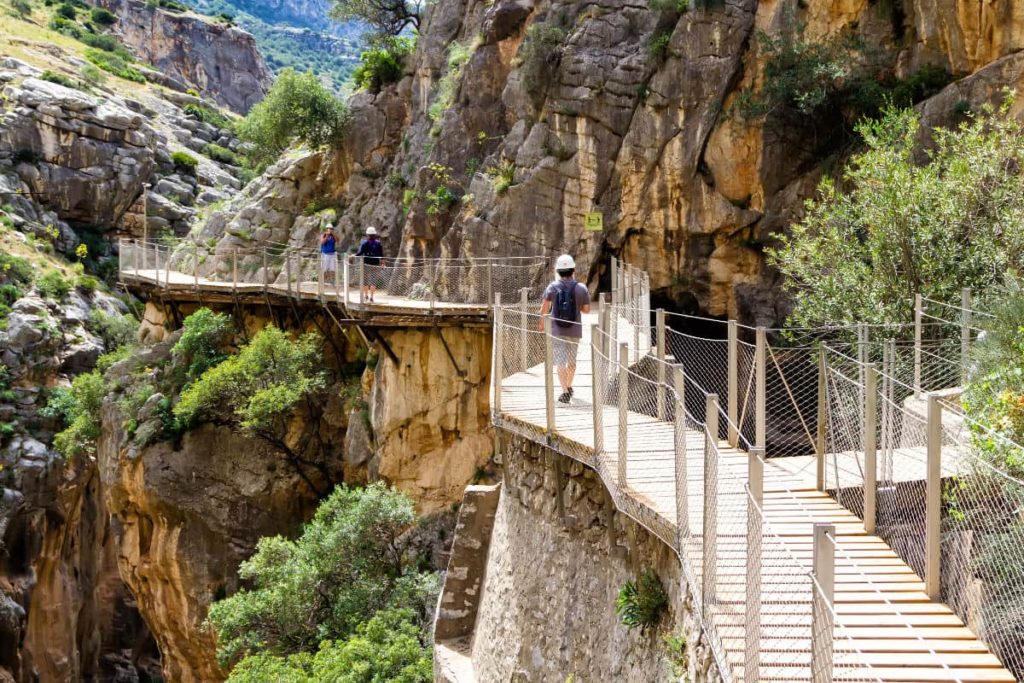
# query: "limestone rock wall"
547,610
220,61
431,412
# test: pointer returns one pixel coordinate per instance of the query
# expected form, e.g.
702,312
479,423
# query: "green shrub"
59,79
208,115
458,56
92,75
65,26
539,54
641,602
66,10
53,285
86,284
107,43
658,45
21,7
184,162
899,228
503,176
353,553
221,154
78,409
202,343
298,107
115,64
382,64
102,16
114,329
15,270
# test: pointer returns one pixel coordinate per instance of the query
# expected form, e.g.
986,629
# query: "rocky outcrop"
88,158
220,61
430,413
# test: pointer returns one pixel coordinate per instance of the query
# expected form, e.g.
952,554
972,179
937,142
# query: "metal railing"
420,284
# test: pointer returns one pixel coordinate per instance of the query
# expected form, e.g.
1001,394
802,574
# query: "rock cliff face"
220,61
633,113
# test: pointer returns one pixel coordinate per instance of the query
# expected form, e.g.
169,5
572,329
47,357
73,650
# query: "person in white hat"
328,255
371,251
566,301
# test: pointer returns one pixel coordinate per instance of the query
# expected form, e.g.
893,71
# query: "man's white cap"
371,230
565,262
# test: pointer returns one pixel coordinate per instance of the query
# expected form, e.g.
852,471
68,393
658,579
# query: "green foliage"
204,336
209,115
86,284
102,17
67,11
383,18
53,285
57,78
21,7
221,154
348,565
839,75
677,655
78,409
382,64
388,647
115,64
184,162
458,56
539,54
258,389
107,43
658,45
15,270
503,176
904,228
298,107
114,329
641,602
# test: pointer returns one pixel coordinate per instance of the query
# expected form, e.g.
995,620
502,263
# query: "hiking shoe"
570,392
564,398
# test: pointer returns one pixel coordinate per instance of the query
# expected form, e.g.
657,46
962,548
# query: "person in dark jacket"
371,251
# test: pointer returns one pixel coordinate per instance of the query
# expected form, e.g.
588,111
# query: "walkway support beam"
679,445
524,328
761,399
499,344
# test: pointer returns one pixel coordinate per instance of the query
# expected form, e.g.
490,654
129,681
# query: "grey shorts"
563,350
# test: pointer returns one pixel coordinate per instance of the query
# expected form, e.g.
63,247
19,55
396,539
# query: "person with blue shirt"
371,251
328,251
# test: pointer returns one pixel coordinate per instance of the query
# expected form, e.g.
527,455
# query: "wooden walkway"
886,627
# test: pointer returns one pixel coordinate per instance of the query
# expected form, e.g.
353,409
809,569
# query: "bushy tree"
201,344
382,63
78,408
298,107
259,391
385,17
348,565
897,227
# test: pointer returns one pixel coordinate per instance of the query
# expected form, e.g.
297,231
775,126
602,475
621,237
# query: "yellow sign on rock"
594,221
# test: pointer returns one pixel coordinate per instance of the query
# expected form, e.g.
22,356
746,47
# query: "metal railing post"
917,344
490,281
862,360
345,277
660,352
870,446
822,600
524,322
195,265
135,258
597,377
266,273
965,331
623,449
933,501
755,485
362,282
732,390
679,434
432,269
821,437
761,399
639,322
288,272
499,343
320,281
234,269
710,501
549,379
337,282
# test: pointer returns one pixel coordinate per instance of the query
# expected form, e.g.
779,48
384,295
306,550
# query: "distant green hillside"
288,39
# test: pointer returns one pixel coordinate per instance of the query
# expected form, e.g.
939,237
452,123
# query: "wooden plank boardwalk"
887,629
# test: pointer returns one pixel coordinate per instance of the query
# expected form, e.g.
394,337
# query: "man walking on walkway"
566,300
328,252
371,251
